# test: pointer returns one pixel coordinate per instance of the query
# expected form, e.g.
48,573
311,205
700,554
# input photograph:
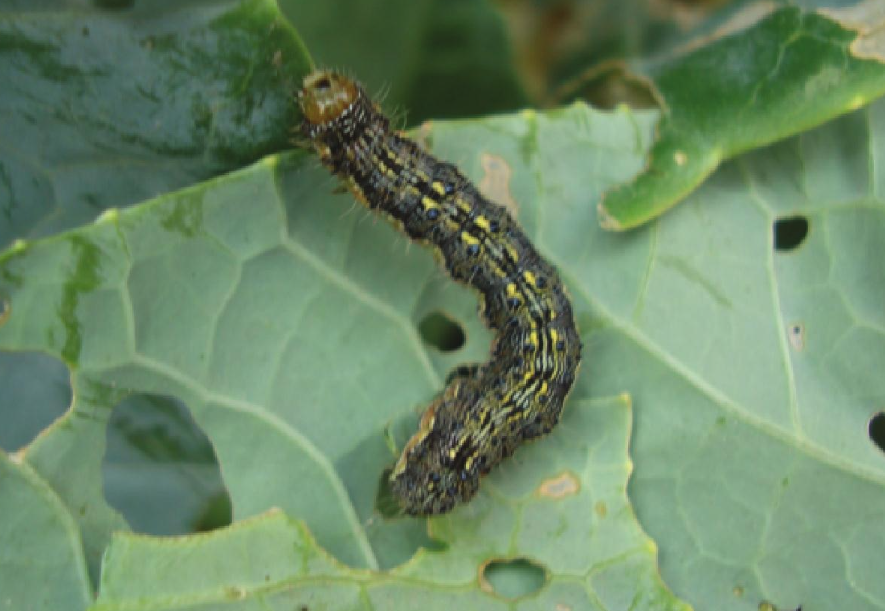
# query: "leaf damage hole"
877,430
217,512
512,579
36,392
564,484
789,233
442,332
160,470
796,334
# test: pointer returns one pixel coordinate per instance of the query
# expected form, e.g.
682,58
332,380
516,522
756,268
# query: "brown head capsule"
325,95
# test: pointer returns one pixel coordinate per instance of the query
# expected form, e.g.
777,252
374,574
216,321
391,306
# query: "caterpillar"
486,410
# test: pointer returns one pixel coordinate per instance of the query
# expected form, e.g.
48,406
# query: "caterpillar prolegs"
486,410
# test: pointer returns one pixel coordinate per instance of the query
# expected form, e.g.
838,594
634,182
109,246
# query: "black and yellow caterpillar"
486,410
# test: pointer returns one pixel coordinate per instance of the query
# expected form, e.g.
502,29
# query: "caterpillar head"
336,113
438,468
325,96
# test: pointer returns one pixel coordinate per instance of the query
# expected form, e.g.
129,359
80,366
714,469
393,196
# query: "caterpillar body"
486,410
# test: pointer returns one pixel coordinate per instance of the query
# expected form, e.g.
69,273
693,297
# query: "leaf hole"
796,335
442,332
36,392
512,579
789,233
877,430
160,470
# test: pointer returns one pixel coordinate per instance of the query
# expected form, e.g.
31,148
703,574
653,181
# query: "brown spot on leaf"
495,183
562,607
5,311
234,593
601,509
867,18
565,484
680,158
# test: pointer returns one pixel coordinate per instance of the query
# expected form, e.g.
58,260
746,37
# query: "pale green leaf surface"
41,557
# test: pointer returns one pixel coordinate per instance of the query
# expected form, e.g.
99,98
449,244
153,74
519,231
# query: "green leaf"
41,559
786,73
104,110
